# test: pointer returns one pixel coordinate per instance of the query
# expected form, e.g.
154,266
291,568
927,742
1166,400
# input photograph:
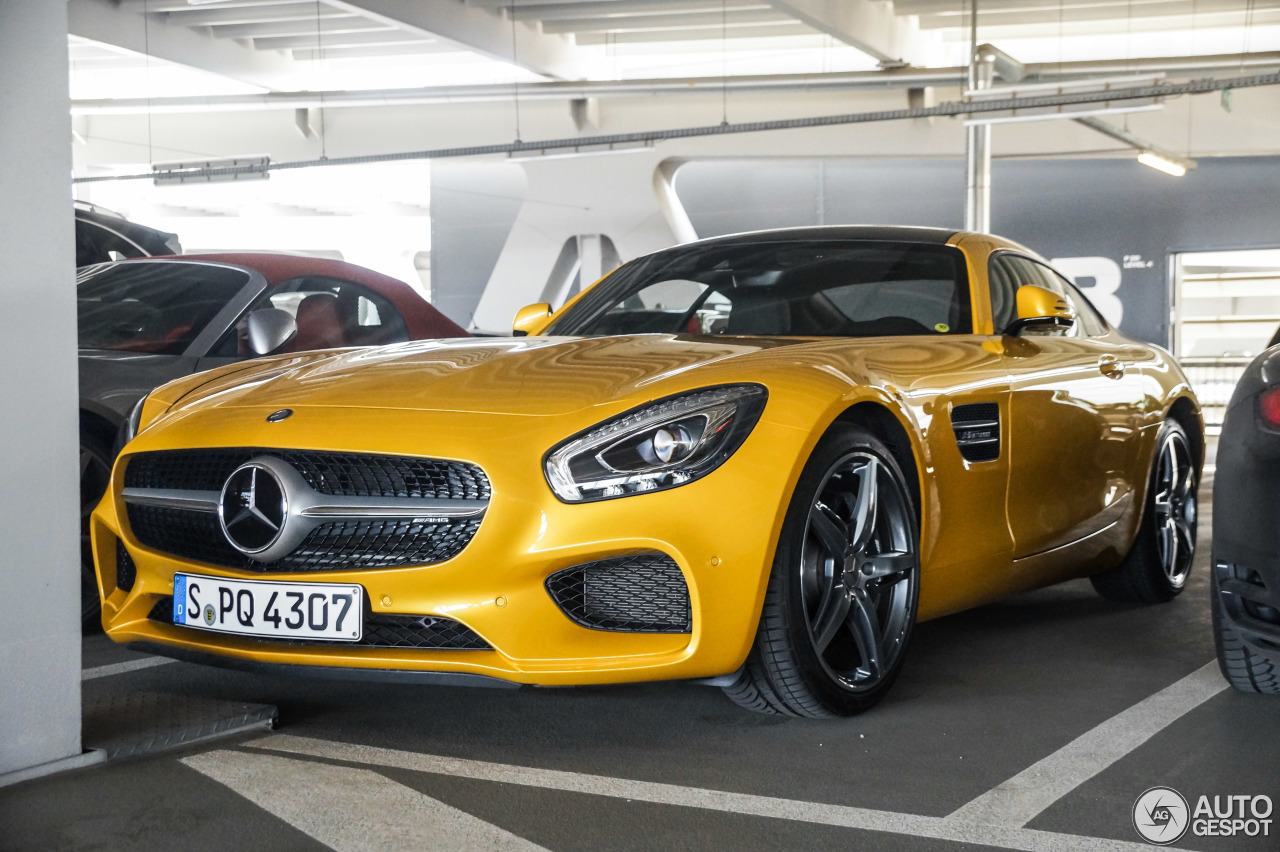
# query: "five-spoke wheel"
1159,561
857,571
842,595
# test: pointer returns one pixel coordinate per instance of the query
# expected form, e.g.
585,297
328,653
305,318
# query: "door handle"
1110,367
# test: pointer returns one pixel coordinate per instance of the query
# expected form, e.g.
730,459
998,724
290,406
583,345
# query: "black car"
1245,582
103,235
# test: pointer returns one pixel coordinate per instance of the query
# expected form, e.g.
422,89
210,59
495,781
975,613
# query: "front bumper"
719,530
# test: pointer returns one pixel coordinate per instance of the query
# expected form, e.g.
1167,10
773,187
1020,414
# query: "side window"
330,313
1086,314
1008,272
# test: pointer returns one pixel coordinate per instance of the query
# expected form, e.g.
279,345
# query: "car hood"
528,376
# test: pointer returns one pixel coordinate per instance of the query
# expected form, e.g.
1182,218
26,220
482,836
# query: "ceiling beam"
118,25
870,26
220,16
781,29
325,27
555,9
157,6
332,45
705,20
482,31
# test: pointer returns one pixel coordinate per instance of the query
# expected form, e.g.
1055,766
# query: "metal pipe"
951,108
910,78
977,214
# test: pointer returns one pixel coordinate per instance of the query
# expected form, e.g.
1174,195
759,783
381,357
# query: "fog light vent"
643,593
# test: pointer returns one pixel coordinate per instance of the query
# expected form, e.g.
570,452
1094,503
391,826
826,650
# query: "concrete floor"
985,695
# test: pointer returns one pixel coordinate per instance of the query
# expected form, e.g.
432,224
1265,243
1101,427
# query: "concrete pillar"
39,503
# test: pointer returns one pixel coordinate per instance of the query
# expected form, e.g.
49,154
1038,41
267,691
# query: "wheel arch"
1187,414
98,425
885,425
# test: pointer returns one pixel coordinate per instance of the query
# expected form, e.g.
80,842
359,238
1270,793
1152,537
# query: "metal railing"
1213,380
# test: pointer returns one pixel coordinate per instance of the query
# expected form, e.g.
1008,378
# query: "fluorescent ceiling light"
212,170
1168,165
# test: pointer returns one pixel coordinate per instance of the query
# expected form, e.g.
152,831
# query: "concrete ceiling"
275,44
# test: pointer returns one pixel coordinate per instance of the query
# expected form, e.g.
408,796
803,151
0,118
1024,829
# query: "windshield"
820,288
153,307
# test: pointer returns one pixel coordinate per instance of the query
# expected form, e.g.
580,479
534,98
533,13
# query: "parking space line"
352,810
1020,799
121,668
938,828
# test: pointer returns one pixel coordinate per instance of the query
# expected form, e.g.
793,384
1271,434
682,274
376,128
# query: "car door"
1076,407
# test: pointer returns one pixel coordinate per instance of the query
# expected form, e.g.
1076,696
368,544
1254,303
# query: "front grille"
348,544
977,430
643,593
381,630
338,546
337,474
126,571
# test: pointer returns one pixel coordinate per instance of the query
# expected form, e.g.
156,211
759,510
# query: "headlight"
657,446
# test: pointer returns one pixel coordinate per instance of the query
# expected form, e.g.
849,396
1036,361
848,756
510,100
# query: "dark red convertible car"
146,321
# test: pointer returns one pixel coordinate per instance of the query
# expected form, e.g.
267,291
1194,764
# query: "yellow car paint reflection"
1062,498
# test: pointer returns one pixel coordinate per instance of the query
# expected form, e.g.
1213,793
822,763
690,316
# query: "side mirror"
270,329
1039,307
530,319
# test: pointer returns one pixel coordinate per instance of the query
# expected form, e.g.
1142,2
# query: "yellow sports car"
755,460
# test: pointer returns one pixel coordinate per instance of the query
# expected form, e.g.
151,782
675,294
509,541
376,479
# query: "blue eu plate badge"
179,599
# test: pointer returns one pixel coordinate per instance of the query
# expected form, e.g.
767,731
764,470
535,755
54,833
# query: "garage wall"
473,207
39,562
1120,217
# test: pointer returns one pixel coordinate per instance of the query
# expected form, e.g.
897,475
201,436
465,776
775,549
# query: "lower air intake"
126,571
644,593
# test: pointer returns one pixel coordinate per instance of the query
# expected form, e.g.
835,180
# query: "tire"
1158,563
1242,668
841,601
95,473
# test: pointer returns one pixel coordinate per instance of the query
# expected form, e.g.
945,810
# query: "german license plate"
331,612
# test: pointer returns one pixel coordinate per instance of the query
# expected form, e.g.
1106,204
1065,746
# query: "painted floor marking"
939,828
352,810
1024,796
121,668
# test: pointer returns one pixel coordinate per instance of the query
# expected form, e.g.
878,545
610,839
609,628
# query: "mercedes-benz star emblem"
253,508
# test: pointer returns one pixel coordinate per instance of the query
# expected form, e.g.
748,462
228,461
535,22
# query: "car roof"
278,267
871,233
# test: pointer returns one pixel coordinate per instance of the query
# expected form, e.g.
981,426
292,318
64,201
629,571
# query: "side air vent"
977,428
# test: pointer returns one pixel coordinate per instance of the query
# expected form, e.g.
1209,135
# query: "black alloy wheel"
856,571
842,597
95,473
1159,562
1175,509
